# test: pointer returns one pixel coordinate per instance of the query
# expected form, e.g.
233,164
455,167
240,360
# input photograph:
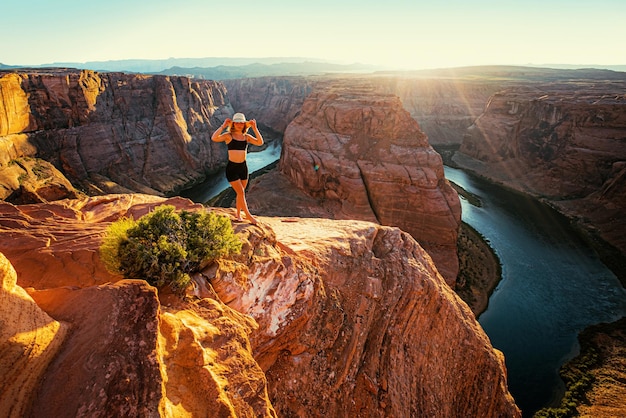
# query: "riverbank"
595,377
610,255
479,269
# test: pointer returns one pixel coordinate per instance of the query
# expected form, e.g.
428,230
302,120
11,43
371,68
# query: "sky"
398,34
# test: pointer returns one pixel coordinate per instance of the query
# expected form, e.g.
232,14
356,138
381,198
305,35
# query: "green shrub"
164,247
578,380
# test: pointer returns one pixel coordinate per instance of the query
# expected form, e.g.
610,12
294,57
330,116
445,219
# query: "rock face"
29,339
131,352
360,338
113,132
273,101
565,143
314,318
33,180
363,156
444,108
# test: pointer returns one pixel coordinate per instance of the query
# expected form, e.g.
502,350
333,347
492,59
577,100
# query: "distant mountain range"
221,68
519,73
214,67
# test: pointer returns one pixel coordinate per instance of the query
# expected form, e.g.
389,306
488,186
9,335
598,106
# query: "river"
553,284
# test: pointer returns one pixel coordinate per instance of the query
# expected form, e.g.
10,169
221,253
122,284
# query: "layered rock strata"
29,340
444,107
363,157
273,101
565,143
314,318
130,351
112,132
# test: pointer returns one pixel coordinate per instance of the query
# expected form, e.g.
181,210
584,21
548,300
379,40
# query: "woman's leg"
239,186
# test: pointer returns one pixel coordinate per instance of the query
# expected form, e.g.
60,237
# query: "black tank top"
235,144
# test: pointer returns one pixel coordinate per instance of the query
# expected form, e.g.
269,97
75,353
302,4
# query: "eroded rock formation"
112,132
273,101
314,318
29,340
444,107
363,157
565,143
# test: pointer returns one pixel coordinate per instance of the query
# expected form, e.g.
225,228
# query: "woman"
237,139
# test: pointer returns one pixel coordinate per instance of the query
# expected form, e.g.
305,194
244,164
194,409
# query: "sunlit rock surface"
363,157
314,318
564,143
29,340
112,132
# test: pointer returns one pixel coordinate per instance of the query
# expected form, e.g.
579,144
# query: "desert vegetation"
164,247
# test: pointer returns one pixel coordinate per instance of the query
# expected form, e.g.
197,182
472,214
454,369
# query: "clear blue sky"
394,33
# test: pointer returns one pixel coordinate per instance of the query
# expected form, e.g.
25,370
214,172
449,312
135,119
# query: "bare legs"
239,186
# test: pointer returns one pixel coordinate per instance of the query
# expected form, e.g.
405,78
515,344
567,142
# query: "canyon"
563,144
356,309
314,318
107,132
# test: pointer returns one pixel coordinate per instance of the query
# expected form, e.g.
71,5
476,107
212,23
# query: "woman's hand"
227,122
252,123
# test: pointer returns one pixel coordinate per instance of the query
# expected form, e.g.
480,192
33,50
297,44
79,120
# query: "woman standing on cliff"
237,139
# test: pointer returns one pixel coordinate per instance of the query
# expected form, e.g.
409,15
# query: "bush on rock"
164,247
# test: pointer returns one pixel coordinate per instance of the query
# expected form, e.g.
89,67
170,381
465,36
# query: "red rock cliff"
563,142
444,106
363,156
273,101
112,131
313,318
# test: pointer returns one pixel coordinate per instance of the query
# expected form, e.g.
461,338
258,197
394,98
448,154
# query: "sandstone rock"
56,244
607,395
355,320
273,101
28,180
29,340
342,317
127,355
363,157
563,143
444,106
108,364
146,133
207,358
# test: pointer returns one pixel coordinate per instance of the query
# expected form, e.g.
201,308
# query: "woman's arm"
218,136
251,139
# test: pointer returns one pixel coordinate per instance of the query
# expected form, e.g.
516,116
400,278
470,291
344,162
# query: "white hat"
239,117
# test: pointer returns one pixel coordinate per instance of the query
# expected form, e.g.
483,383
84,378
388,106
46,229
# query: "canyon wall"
444,107
314,318
564,143
110,132
273,101
363,157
